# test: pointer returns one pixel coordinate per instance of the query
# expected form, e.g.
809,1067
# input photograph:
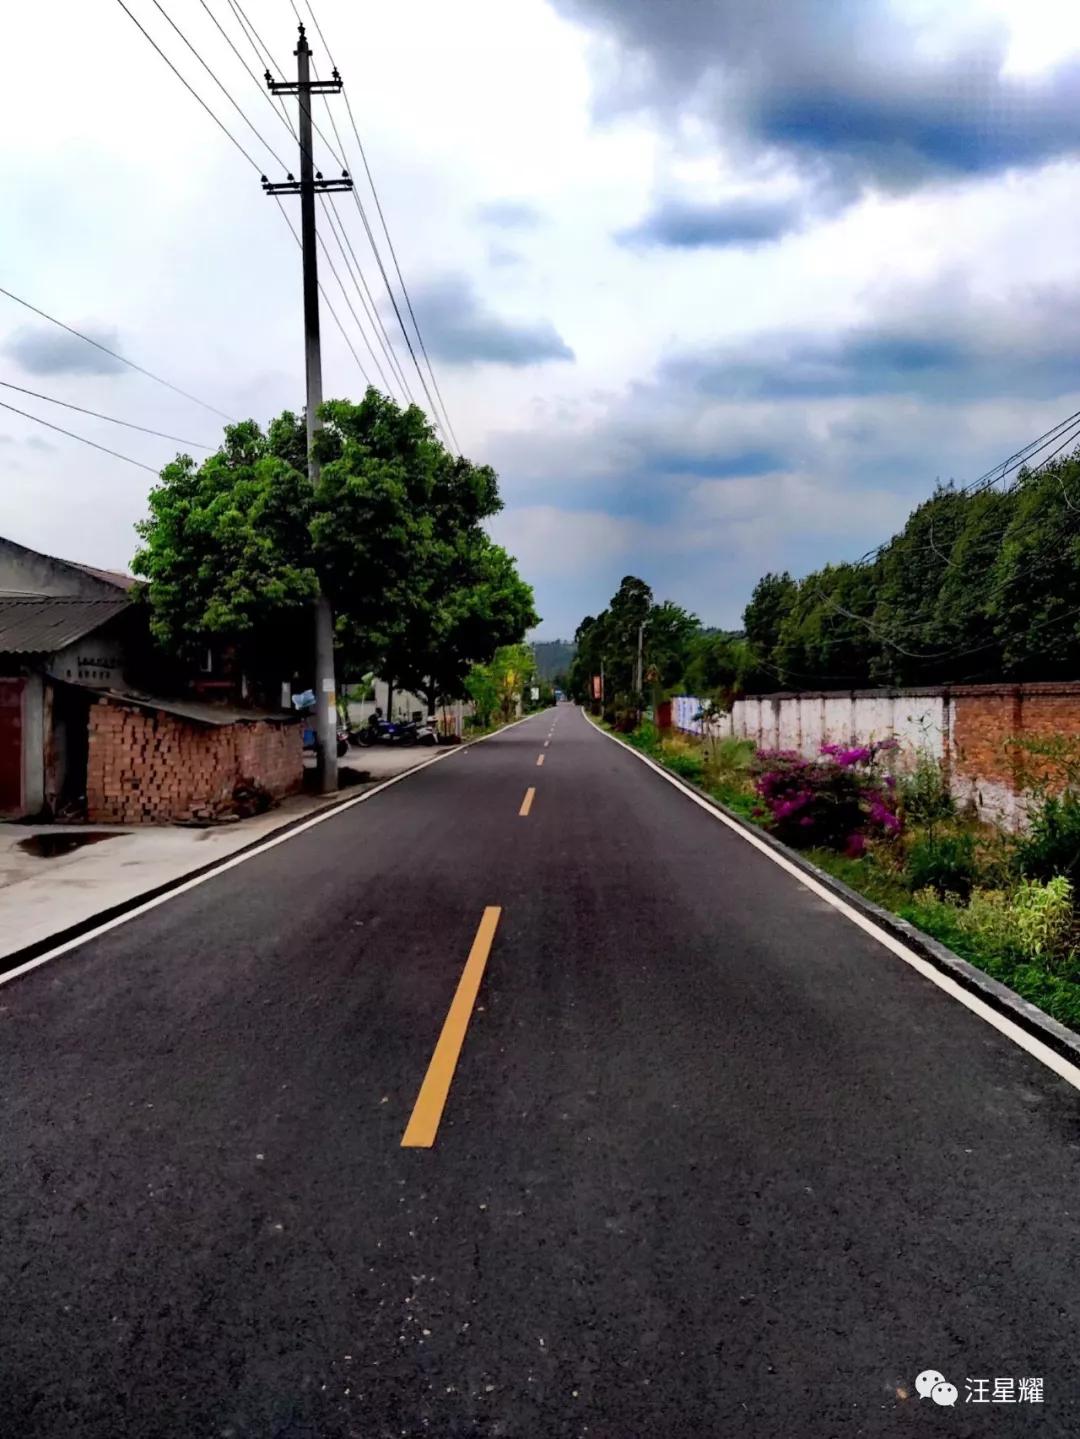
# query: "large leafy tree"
236,548
473,603
227,550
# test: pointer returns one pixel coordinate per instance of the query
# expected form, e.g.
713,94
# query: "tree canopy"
978,586
236,548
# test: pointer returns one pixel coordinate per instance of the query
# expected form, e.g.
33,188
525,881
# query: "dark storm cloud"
462,330
44,351
933,356
679,225
509,215
844,88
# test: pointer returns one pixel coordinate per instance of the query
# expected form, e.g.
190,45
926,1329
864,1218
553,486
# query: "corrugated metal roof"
196,711
111,577
43,625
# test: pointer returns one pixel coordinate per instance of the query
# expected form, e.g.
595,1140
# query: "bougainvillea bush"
838,800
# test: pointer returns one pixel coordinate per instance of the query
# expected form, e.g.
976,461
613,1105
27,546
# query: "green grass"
1055,994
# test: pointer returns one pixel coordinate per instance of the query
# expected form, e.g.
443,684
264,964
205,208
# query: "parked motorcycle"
394,732
381,731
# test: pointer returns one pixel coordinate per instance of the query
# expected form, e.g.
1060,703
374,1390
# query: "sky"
717,288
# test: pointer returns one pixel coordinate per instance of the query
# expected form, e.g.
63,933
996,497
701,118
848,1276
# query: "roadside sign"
536,692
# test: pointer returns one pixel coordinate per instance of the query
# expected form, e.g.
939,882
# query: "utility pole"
310,183
640,647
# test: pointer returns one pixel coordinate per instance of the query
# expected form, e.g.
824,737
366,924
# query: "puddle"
48,846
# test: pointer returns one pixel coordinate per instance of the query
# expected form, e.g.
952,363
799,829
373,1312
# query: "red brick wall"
985,717
149,768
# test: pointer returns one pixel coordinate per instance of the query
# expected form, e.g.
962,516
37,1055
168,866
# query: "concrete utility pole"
640,650
311,182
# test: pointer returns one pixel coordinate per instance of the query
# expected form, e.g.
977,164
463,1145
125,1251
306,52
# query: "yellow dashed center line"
430,1102
526,803
539,759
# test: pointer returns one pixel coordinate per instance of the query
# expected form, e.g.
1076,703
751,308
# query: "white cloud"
158,232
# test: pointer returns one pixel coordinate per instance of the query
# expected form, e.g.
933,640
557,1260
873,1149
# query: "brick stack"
155,768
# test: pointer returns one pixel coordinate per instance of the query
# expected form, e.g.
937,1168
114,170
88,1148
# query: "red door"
11,758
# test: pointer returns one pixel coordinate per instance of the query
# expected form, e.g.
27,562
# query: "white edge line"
1035,1047
226,864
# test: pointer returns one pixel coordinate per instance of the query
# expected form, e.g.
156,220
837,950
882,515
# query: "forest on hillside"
553,658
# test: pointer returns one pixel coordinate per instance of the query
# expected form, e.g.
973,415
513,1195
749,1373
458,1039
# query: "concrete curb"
15,959
1056,1036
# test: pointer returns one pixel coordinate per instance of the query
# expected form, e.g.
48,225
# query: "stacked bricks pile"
155,768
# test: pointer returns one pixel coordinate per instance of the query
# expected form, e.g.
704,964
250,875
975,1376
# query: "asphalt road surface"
712,1161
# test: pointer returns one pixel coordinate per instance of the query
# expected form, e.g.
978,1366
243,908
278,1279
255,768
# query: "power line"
157,4
123,360
282,114
352,312
254,166
322,292
339,157
52,400
385,229
187,86
370,311
72,436
446,427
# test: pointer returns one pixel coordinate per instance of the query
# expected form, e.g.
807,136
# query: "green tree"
1035,592
236,548
772,598
911,571
496,687
826,640
473,603
667,641
227,551
963,622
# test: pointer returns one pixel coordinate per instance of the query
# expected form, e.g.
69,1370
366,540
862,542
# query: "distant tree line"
979,586
677,653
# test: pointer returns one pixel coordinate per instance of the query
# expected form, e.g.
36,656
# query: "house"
95,725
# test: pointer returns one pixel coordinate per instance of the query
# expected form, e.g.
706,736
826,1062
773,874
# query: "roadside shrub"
646,737
1051,845
1035,923
923,793
1044,917
945,864
690,766
625,713
729,760
837,802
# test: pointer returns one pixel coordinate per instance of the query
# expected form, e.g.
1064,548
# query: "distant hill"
553,657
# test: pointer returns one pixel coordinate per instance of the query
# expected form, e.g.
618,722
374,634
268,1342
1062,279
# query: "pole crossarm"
312,87
319,185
